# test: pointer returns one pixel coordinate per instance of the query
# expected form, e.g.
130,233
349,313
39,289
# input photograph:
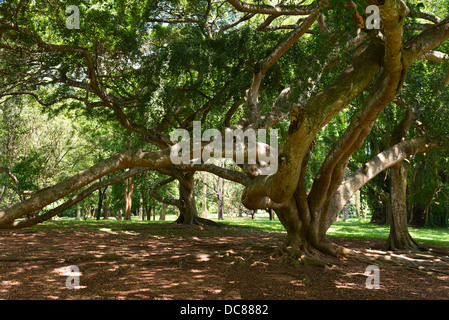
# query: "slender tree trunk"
128,198
106,211
141,214
220,198
100,203
204,204
163,212
89,211
148,212
78,212
357,203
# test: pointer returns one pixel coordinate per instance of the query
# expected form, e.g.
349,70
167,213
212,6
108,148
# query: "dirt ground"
172,262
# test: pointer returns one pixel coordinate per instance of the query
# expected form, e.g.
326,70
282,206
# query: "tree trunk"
302,233
163,212
78,212
89,212
220,198
106,211
357,203
204,204
399,238
100,203
148,213
128,198
188,213
187,208
141,214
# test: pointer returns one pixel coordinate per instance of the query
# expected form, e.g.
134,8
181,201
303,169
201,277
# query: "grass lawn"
355,229
351,228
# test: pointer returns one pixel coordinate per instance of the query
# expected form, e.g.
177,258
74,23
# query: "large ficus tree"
156,66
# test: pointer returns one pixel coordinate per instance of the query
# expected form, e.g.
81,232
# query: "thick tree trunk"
187,208
187,203
399,238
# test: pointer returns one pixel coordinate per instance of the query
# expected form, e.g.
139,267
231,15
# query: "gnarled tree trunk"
187,207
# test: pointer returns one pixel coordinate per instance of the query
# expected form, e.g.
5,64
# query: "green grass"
354,229
351,228
364,230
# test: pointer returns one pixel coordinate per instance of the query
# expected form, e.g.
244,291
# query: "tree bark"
220,198
148,213
106,210
78,212
399,238
141,214
100,203
163,212
204,203
129,188
187,208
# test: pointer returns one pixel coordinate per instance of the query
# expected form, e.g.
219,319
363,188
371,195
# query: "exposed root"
302,255
196,221
424,260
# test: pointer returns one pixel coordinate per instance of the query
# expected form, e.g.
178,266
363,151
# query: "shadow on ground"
164,261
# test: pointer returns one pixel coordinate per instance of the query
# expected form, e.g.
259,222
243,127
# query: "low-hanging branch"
386,159
74,200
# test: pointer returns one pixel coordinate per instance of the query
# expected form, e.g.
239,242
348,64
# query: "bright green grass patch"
364,230
354,229
351,228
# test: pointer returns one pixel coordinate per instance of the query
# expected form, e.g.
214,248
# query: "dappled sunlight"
10,283
346,285
162,261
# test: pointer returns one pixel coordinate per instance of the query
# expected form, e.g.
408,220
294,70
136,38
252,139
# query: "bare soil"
150,261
